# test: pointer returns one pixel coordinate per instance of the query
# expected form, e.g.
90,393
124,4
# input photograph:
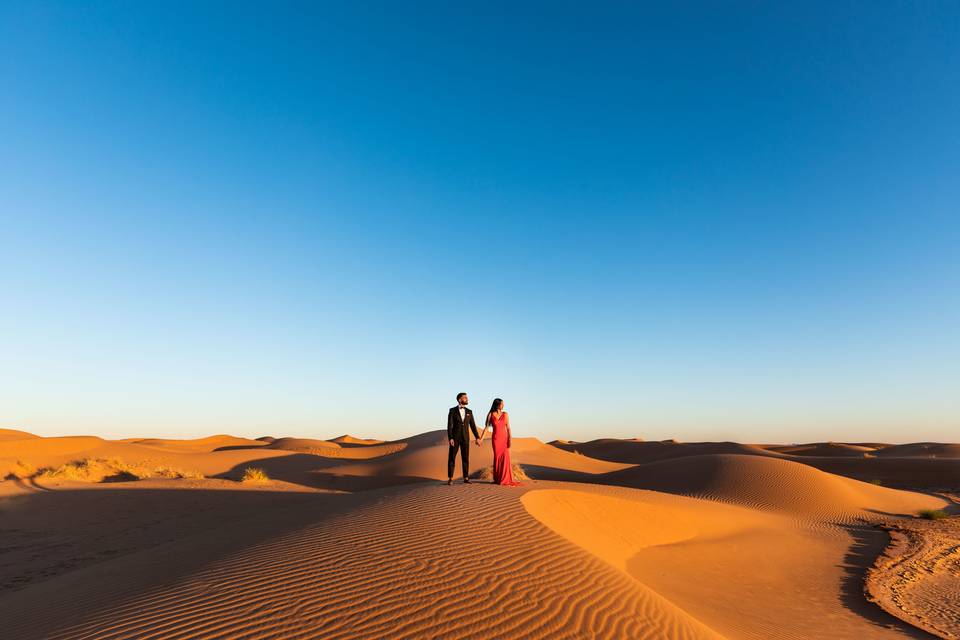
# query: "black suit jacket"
457,428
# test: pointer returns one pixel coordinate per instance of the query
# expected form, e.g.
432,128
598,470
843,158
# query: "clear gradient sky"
708,221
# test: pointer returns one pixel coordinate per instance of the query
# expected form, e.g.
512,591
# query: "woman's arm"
486,425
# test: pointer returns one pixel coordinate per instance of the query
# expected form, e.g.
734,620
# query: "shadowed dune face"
48,533
825,449
921,450
302,444
918,465
639,452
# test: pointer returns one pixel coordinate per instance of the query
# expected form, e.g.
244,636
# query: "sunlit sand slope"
745,573
425,562
771,483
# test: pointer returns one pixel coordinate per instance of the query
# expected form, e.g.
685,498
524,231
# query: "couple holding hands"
459,420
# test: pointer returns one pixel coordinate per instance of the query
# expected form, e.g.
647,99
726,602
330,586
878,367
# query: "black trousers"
464,447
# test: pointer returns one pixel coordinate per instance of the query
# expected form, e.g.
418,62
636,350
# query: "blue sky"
703,221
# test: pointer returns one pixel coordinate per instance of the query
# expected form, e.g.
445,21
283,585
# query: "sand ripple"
429,562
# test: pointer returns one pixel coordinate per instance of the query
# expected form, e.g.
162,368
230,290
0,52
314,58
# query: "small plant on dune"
170,472
487,473
933,514
877,481
254,474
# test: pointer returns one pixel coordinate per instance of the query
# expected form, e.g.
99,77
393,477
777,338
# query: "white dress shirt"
463,413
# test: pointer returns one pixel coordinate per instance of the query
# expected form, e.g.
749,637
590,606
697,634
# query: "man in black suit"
458,420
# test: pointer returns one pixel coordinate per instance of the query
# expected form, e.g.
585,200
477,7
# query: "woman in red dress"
500,421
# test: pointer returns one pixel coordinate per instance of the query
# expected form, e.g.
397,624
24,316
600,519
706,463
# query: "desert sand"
351,537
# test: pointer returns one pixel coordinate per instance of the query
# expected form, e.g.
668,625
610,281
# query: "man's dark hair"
460,395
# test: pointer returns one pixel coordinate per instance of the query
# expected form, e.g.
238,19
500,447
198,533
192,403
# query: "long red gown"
502,473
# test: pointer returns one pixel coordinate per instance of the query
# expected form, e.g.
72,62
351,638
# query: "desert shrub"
21,469
877,481
254,474
933,514
487,473
171,472
92,470
120,476
111,470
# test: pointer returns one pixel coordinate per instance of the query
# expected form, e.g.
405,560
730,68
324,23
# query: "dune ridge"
15,434
774,484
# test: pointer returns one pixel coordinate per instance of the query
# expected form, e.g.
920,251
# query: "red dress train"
502,472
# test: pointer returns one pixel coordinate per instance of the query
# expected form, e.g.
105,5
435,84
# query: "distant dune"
921,450
348,439
208,444
638,451
302,444
771,483
13,434
826,449
346,538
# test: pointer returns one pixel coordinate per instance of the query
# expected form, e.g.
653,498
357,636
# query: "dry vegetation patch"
254,475
487,473
103,470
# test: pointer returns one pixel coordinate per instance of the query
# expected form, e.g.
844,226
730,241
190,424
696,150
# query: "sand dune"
395,582
732,542
918,473
824,449
921,450
653,566
425,458
770,483
637,451
348,439
211,443
775,570
14,434
302,444
199,458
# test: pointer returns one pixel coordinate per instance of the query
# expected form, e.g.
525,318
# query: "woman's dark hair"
495,405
